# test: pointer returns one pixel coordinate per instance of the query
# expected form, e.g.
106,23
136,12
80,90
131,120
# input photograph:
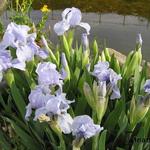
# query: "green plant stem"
75,148
62,143
95,142
17,5
57,130
77,143
130,130
96,137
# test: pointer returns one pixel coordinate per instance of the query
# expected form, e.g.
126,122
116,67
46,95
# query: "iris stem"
75,148
57,130
96,137
95,142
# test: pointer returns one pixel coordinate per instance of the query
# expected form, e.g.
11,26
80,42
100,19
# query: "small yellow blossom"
45,9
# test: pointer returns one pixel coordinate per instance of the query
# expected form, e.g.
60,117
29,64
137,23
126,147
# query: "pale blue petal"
57,104
39,97
42,67
115,93
25,53
100,67
42,53
53,106
19,32
63,73
65,13
147,86
114,77
18,65
83,127
5,60
31,37
65,122
47,74
61,27
39,112
74,17
8,40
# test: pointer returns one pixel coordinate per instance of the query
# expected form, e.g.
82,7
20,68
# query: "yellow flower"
45,9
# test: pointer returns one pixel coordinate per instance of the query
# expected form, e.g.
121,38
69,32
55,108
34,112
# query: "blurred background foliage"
123,7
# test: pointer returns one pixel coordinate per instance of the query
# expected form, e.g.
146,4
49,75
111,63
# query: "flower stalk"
54,126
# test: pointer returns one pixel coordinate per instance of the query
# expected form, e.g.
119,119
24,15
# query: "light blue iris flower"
71,17
37,99
107,76
56,105
17,36
83,127
14,35
52,106
48,75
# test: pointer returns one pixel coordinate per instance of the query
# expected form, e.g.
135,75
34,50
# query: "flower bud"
85,41
65,67
138,109
102,89
139,40
89,95
145,101
85,58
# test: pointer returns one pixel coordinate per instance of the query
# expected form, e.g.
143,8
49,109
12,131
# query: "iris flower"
48,75
56,105
37,99
71,17
53,106
83,127
17,36
107,76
